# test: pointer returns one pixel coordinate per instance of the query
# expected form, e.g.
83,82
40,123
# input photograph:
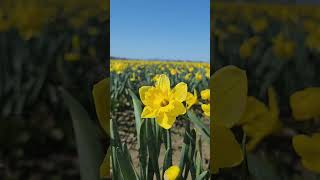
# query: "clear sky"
165,29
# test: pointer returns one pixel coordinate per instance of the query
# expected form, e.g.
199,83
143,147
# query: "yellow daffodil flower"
259,25
187,77
283,48
258,121
208,73
191,99
247,47
206,109
173,71
198,76
172,173
162,103
205,94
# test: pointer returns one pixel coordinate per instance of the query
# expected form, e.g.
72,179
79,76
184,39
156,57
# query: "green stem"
245,175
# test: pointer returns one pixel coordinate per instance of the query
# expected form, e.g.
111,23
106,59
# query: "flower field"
167,100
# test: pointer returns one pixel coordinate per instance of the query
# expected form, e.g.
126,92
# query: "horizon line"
158,59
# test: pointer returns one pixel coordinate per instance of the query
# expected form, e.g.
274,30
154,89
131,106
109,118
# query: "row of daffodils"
132,74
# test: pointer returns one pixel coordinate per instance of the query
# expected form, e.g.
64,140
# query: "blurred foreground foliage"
277,44
45,46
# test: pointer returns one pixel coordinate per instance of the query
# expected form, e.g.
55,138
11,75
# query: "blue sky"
165,29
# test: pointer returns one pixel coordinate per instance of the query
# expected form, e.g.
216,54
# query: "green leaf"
88,145
137,112
115,142
198,163
167,162
203,175
141,135
191,154
153,155
102,103
185,148
125,165
200,125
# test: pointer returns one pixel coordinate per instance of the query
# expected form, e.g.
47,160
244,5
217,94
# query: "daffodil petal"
206,109
229,87
305,104
312,164
254,108
142,93
165,121
225,150
308,148
148,112
163,83
305,146
179,92
190,100
178,108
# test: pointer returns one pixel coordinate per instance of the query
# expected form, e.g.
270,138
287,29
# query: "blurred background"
278,44
46,46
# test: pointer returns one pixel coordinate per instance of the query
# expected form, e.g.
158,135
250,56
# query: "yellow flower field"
170,103
132,74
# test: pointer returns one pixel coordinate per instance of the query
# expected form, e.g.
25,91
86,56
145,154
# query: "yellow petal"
229,87
225,150
312,164
165,121
308,148
191,99
179,92
258,128
172,173
178,109
258,122
142,93
163,83
254,108
102,103
148,112
305,104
